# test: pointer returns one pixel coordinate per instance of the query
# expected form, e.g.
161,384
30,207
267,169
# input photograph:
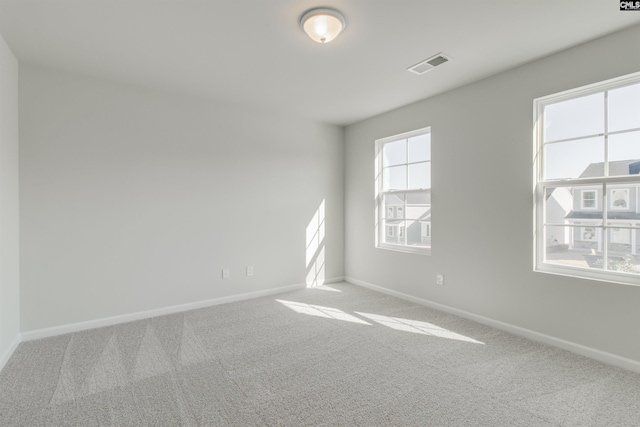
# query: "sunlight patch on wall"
376,191
315,273
315,257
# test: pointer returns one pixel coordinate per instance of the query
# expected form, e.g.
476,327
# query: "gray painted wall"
482,204
9,201
134,200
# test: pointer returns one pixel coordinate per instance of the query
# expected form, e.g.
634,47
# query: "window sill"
583,273
405,249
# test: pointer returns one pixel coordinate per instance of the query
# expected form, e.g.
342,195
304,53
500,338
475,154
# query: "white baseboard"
9,352
602,356
109,321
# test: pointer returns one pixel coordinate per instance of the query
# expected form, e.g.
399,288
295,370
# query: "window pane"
393,206
582,158
579,246
624,154
394,153
569,205
418,234
419,206
624,108
419,198
395,178
574,118
420,148
392,233
623,256
418,212
420,175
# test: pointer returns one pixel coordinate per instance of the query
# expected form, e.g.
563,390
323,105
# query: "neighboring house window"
390,231
589,234
587,168
425,231
619,199
390,213
403,198
620,235
589,199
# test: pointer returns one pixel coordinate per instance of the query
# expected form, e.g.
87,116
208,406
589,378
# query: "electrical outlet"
440,279
249,270
226,273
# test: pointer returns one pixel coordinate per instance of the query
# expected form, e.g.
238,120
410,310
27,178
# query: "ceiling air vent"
428,64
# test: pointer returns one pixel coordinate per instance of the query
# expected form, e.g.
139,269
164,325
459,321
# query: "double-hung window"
403,192
589,199
587,181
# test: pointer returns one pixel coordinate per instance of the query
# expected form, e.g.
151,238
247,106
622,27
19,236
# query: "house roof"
392,199
598,215
621,167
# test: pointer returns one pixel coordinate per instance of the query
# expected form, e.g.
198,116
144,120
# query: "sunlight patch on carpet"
417,327
320,311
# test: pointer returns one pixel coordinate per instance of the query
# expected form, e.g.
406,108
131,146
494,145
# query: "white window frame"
541,185
381,226
595,200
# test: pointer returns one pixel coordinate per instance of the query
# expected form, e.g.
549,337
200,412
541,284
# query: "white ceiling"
253,52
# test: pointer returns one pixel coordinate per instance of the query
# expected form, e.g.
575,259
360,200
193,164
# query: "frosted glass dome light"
323,24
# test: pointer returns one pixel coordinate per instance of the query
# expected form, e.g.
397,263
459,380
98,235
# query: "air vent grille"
429,63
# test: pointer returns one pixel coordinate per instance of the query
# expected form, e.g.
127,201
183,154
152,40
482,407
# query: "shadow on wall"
315,249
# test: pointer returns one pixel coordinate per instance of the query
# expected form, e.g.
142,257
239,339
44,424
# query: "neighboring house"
400,229
559,202
623,209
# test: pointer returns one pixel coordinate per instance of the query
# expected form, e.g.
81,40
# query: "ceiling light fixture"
323,24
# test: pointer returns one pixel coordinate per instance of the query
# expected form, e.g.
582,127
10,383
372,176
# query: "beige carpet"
335,356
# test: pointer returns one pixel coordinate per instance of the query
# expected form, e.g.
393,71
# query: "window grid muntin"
381,219
595,135
541,184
